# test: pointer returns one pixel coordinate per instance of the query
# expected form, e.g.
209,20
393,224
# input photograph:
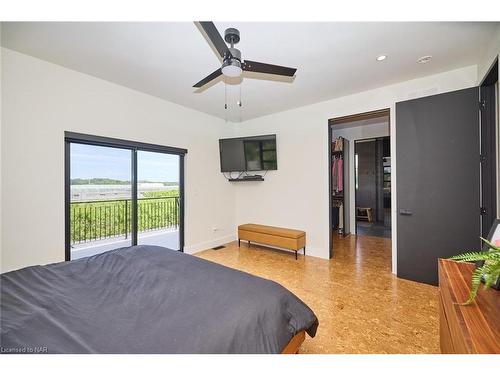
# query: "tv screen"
248,154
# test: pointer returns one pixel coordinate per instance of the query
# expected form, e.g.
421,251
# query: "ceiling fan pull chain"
225,95
239,102
225,101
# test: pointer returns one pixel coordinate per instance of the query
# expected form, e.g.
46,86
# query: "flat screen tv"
248,154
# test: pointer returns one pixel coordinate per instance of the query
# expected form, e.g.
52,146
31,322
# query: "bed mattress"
146,299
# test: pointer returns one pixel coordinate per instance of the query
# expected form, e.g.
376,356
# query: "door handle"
405,211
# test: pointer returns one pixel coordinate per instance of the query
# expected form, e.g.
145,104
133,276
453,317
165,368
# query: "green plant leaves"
489,271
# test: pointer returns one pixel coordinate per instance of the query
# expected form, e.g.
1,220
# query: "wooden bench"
290,239
364,213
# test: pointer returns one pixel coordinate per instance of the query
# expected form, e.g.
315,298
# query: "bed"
148,299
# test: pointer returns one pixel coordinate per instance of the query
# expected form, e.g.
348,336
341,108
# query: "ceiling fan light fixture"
232,68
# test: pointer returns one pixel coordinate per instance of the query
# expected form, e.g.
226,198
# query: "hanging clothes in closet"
337,213
338,174
337,184
338,166
338,144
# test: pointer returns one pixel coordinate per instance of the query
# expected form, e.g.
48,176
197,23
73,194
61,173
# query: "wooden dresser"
466,329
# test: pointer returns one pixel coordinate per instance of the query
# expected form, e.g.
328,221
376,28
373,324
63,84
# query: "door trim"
488,97
360,116
331,124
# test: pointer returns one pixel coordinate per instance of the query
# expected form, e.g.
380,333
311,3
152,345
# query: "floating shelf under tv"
247,178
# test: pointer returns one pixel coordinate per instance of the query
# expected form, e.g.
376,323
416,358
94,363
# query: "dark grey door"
366,193
437,163
347,189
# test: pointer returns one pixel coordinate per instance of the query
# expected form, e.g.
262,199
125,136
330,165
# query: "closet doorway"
352,218
372,179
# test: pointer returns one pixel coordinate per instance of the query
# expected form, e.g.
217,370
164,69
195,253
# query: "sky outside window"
88,161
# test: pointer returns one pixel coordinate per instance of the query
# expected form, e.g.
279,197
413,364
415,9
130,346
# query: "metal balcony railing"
97,220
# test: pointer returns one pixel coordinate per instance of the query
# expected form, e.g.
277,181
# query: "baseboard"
315,253
209,244
310,251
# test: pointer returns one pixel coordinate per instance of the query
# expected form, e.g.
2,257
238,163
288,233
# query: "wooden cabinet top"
479,322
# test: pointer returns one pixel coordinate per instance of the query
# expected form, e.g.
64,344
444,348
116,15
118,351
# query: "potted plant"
487,266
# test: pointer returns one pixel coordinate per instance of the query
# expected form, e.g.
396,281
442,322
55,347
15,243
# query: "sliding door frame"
134,147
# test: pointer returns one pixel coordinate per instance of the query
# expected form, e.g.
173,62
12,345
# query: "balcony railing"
98,220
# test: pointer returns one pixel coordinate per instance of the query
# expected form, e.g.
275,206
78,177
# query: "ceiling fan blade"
215,38
255,66
209,78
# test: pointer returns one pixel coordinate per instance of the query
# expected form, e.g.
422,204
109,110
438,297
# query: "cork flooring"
361,306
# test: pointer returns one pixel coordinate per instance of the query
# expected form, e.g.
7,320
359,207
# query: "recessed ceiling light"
424,59
381,57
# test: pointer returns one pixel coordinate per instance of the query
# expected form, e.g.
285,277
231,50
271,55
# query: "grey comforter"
146,299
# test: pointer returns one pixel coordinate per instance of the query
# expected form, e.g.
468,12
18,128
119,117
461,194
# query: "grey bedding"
146,299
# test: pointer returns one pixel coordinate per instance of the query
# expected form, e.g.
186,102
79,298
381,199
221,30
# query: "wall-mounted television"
248,154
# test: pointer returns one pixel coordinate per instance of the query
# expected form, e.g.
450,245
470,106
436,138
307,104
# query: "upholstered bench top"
274,231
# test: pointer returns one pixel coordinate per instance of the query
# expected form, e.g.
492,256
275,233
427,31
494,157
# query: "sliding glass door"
100,199
158,204
121,193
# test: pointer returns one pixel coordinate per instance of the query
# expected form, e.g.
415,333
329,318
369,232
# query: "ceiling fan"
232,64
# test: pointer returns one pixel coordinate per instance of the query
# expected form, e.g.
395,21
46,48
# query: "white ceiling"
333,59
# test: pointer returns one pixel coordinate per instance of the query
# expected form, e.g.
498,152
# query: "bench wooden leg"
295,254
304,251
239,242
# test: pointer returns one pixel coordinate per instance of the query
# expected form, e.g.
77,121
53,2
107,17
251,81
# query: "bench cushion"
274,231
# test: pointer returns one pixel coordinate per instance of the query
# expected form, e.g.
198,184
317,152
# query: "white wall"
296,195
352,134
40,101
491,52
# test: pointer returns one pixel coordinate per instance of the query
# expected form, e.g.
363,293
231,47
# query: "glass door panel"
158,199
100,199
